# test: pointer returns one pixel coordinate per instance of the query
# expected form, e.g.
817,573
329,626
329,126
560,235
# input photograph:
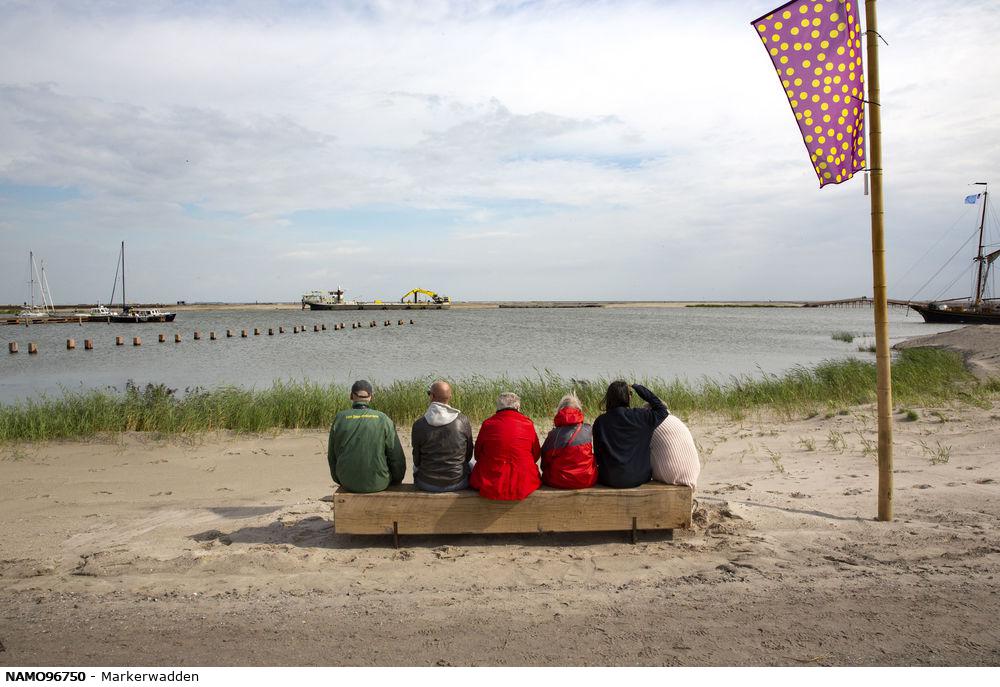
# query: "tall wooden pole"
882,357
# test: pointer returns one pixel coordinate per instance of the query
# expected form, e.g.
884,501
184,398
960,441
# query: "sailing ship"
979,308
33,311
131,314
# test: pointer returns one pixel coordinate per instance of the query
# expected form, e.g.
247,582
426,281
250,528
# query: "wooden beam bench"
401,509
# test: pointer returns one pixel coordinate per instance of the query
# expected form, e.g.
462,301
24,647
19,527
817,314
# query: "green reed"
920,377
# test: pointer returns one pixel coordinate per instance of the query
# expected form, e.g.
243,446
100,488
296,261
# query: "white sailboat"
33,311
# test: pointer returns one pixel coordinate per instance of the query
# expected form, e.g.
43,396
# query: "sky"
487,150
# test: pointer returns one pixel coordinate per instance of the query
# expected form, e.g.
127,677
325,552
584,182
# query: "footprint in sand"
987,480
921,486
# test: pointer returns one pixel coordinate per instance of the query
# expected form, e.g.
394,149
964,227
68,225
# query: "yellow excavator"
439,300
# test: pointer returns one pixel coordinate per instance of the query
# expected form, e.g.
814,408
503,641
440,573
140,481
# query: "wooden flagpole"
882,356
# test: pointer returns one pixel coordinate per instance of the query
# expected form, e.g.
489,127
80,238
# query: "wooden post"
243,333
281,330
229,333
177,338
136,341
323,327
88,344
12,347
295,330
270,331
256,332
119,341
163,337
211,336
315,327
32,348
197,336
70,344
882,354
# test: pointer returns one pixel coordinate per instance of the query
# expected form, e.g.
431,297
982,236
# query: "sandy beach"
221,550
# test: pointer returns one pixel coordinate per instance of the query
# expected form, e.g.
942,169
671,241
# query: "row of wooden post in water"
88,344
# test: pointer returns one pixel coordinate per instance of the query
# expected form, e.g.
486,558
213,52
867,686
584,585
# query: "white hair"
569,401
508,399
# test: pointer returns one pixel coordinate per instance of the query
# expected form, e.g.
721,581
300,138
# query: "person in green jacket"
364,451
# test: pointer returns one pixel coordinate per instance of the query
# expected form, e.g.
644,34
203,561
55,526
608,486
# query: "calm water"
583,343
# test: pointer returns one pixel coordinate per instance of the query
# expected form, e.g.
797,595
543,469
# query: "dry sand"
221,550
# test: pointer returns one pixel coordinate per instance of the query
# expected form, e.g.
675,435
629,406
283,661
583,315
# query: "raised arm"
657,409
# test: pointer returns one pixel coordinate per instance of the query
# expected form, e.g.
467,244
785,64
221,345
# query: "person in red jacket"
507,451
568,451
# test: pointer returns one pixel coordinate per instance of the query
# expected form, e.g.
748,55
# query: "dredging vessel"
334,300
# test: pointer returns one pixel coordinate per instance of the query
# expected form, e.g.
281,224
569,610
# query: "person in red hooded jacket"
507,451
568,451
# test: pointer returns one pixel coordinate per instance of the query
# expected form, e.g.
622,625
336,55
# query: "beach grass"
921,377
846,337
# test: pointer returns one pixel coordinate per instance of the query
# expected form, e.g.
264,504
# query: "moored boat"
978,308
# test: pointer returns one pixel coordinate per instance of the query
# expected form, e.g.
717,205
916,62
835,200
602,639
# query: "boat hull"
378,306
957,315
138,319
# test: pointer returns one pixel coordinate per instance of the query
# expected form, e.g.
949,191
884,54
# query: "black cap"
363,387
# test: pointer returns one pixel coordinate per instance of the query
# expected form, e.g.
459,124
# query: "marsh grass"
846,337
920,377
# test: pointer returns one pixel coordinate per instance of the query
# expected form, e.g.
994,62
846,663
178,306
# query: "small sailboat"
33,311
130,314
979,308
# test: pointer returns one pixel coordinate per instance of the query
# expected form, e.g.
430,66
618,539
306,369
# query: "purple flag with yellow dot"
815,46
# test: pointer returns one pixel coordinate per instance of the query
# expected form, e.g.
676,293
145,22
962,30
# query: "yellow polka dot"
826,89
834,33
786,14
761,27
789,71
830,131
827,80
814,33
806,63
834,16
836,79
773,51
815,98
784,46
821,56
809,138
790,93
784,60
804,22
840,136
824,44
818,129
850,128
798,115
841,26
817,21
795,103
826,118
802,95
841,67
775,38
807,46
807,113
795,32
803,9
821,139
845,145
798,81
818,7
840,50
778,25
786,83
809,121
817,71
836,98
826,175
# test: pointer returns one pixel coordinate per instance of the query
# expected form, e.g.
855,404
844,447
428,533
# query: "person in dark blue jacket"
622,434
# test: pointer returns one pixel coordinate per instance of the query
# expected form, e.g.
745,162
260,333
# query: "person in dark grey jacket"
442,444
622,434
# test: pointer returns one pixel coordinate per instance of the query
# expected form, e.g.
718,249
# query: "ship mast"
979,255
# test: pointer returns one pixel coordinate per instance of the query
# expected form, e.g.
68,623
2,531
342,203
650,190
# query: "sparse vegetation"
938,454
775,459
846,337
920,377
910,415
807,443
836,441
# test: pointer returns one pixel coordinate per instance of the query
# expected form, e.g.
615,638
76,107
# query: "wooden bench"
401,509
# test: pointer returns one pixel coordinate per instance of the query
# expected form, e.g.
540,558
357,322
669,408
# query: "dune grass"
920,377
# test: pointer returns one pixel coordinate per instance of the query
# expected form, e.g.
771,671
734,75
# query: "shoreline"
62,310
